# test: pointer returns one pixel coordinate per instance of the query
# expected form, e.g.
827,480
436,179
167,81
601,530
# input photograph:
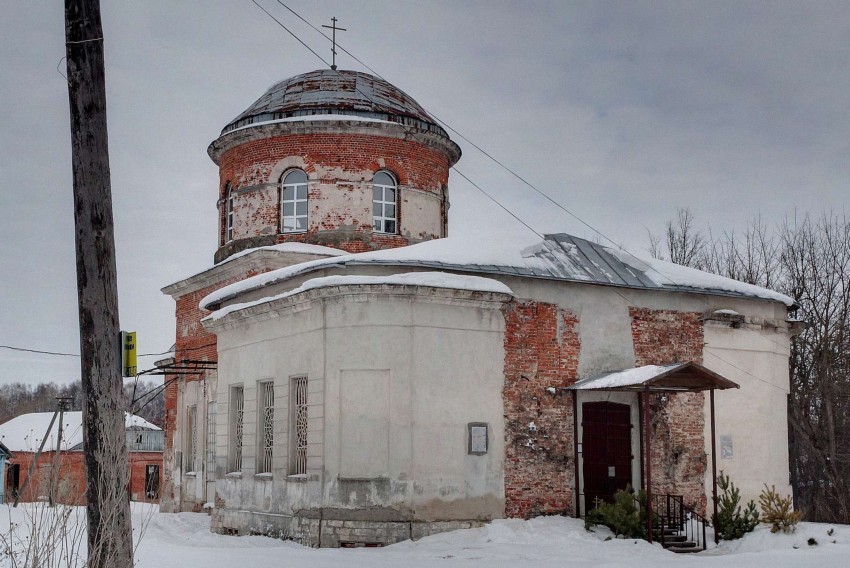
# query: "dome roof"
327,91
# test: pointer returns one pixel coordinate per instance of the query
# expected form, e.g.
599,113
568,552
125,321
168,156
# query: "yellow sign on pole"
128,353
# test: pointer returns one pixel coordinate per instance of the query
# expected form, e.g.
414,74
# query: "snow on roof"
432,279
25,432
688,376
558,257
669,274
619,379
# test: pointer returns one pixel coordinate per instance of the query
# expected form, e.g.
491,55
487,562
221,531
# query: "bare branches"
808,259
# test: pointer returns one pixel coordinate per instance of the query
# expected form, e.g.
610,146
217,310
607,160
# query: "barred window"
264,461
237,411
293,203
384,215
191,446
298,426
211,411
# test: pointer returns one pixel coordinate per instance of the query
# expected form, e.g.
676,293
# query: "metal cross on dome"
333,40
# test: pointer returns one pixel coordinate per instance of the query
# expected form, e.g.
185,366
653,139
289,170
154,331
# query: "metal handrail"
671,512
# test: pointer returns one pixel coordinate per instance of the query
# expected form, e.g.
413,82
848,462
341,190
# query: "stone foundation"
314,529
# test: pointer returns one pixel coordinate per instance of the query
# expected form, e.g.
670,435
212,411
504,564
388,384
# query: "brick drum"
541,356
679,461
340,167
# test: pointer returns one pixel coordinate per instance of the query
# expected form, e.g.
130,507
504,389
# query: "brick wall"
193,342
72,475
541,355
340,167
139,461
678,456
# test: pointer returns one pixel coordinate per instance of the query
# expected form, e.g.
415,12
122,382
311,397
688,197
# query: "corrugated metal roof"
327,91
559,257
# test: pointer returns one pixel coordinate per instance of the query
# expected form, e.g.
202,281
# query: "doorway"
606,450
152,481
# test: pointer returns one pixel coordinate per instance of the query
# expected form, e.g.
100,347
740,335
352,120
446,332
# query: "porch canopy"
678,377
651,379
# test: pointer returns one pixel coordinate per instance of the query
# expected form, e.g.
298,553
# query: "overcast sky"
621,111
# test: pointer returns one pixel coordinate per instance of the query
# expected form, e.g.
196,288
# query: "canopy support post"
646,435
714,467
577,504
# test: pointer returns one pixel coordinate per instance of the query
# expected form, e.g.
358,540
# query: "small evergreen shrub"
626,516
778,511
731,522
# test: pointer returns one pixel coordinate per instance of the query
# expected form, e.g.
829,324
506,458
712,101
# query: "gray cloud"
622,111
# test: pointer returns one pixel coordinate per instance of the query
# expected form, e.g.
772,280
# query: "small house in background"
5,454
23,436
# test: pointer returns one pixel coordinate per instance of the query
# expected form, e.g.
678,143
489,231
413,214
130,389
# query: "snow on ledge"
430,279
313,118
302,248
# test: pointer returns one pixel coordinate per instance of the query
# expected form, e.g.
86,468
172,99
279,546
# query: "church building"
346,373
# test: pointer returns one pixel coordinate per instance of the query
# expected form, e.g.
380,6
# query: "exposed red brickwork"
139,461
71,488
335,204
413,163
193,343
541,352
678,458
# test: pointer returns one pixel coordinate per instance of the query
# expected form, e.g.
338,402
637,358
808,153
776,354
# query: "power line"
496,161
290,32
24,349
41,352
494,200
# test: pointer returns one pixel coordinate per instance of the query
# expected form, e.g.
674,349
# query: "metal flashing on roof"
328,92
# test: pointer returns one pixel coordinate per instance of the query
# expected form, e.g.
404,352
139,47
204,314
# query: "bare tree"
685,245
808,260
816,255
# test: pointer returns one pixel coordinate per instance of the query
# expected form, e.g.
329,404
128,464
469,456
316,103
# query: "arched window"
384,196
293,203
228,213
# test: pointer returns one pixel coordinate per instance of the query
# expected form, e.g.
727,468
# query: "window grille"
211,411
298,426
264,463
236,424
293,203
384,215
228,219
191,436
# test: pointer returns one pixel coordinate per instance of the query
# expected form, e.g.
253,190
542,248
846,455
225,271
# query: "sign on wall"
128,353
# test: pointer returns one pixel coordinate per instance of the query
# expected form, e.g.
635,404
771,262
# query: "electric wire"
500,164
42,352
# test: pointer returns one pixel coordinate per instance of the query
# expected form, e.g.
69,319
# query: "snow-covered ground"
183,540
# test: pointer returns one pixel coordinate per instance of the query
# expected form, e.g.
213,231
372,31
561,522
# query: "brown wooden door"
606,450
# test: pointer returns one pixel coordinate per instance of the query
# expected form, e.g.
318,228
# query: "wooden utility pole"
110,542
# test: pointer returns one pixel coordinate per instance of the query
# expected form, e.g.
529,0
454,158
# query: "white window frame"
265,437
191,445
237,427
289,223
210,457
298,425
228,213
384,197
